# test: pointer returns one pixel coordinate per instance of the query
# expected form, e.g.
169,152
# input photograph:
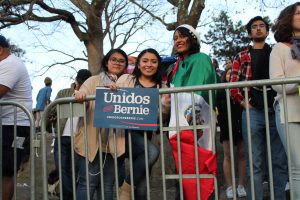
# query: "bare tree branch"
72,59
174,2
169,26
91,20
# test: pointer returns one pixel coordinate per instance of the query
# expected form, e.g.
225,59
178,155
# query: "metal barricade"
64,108
227,87
34,143
68,108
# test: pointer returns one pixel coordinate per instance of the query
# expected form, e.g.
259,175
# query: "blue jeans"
139,165
294,139
94,176
66,165
259,154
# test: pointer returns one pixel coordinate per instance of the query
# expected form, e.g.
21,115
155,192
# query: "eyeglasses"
258,26
117,61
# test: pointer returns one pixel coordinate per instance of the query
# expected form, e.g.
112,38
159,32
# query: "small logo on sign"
107,108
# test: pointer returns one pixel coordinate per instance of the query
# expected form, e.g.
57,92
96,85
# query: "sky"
36,40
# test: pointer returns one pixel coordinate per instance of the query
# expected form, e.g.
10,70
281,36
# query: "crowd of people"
95,155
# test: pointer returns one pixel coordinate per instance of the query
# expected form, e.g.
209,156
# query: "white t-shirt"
14,75
67,129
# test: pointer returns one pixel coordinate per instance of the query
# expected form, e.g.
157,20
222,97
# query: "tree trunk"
95,54
94,43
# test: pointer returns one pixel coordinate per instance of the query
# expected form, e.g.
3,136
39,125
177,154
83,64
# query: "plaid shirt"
241,71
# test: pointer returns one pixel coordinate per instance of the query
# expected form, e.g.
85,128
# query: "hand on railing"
79,96
166,106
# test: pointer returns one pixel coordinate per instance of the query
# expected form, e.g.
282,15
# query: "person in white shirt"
15,86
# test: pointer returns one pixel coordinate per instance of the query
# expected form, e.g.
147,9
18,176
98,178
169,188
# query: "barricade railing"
69,108
64,108
34,143
244,85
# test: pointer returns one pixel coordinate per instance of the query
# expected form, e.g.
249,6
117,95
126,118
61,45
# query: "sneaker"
241,192
229,192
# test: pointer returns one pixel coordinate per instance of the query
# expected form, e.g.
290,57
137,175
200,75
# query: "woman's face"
228,75
181,43
229,63
296,21
148,64
116,64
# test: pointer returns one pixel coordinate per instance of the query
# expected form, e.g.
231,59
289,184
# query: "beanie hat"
192,31
82,75
48,81
3,42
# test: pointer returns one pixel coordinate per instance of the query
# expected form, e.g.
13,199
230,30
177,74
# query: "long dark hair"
107,56
223,77
283,29
158,75
194,45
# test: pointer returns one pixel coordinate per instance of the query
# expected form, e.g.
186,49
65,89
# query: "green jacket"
196,69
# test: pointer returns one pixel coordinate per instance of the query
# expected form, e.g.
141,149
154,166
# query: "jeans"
66,165
139,165
94,176
294,141
259,153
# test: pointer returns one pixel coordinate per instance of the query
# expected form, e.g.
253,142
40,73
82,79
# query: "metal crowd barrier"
68,108
33,144
227,87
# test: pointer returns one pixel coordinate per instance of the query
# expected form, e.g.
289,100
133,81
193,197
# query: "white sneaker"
241,192
229,192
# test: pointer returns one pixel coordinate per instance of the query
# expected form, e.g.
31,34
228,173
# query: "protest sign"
127,108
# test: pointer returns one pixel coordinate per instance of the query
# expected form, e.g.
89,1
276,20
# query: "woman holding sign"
114,64
146,74
285,62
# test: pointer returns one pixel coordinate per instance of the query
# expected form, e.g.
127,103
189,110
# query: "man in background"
65,135
42,100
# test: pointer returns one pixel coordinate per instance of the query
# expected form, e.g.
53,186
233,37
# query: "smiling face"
181,43
116,64
296,21
258,31
148,65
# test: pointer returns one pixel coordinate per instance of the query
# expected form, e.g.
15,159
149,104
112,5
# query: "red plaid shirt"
241,71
